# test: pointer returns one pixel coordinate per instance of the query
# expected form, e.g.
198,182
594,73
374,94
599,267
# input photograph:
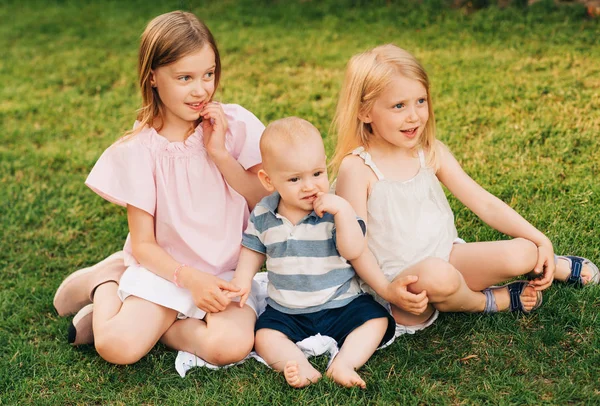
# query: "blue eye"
185,78
399,105
209,75
422,101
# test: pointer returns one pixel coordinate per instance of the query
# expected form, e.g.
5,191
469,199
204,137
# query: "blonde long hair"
367,75
166,39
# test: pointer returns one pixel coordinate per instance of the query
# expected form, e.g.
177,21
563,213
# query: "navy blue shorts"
336,323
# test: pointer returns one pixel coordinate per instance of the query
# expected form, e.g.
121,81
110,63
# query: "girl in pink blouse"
186,174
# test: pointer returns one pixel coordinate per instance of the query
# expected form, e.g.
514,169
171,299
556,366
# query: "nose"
198,89
412,114
307,185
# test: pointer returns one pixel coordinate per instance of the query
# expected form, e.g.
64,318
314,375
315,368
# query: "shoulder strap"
421,157
360,151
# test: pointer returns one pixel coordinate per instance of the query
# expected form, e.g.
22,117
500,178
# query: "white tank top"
408,221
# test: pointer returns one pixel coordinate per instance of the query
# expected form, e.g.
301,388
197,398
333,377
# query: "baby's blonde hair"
166,39
285,133
367,76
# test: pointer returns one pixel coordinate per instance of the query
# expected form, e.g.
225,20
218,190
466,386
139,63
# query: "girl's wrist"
182,275
544,241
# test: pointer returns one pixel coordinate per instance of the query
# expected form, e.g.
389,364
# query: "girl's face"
399,115
185,87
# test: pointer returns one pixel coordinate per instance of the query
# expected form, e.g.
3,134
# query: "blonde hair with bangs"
367,75
166,39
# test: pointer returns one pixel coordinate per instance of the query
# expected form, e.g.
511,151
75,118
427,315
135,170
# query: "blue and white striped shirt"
306,272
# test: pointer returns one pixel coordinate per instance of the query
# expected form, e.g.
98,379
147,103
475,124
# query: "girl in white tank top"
390,166
408,220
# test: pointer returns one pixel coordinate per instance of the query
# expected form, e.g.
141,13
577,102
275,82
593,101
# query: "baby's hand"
329,203
399,295
545,267
243,293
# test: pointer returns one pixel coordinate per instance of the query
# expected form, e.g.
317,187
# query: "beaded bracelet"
175,279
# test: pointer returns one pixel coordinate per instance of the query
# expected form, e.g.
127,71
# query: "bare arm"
353,185
350,239
245,182
485,205
248,265
205,288
495,213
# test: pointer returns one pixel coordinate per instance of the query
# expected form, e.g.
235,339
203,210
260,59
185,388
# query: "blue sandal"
576,265
514,290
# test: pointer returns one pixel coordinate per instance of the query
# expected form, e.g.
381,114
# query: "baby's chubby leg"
284,356
356,350
221,338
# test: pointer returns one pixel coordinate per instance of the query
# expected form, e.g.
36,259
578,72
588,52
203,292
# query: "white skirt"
140,282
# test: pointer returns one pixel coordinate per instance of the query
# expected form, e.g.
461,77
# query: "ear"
365,118
152,79
265,179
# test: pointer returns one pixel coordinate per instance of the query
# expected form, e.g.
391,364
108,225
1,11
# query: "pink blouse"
198,217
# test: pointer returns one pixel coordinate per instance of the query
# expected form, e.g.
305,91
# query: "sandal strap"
514,291
490,301
576,268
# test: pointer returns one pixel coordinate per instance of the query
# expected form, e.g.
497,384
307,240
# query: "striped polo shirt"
305,270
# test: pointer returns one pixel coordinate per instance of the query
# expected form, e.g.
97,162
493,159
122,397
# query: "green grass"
516,94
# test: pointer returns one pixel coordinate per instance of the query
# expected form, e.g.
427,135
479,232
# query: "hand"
545,267
329,203
398,295
214,128
207,290
245,287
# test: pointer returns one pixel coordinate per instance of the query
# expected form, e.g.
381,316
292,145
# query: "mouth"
196,106
310,198
410,132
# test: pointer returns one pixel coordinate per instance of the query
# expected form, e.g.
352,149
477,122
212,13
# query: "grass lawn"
516,95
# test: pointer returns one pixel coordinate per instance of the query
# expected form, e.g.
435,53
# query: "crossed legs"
456,285
126,331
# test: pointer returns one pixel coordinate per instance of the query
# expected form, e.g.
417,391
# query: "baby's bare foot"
296,377
345,375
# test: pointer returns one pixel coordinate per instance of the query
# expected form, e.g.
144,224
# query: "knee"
522,256
440,278
265,337
120,349
225,349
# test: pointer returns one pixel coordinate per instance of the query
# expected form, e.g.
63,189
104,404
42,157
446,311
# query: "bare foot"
528,298
563,271
296,377
345,375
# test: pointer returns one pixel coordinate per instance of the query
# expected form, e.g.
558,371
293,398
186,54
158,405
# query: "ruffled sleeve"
246,131
125,174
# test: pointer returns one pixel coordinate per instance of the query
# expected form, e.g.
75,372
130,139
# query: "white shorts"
140,282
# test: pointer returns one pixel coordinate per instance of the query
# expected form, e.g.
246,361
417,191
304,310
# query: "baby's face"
298,173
